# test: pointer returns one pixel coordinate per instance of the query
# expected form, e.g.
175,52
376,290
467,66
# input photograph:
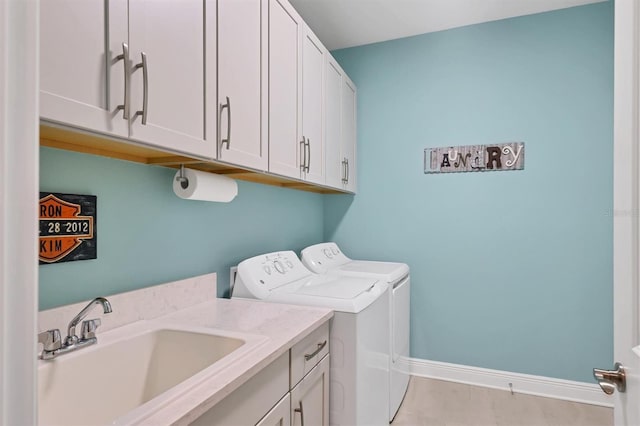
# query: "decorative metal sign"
67,227
474,158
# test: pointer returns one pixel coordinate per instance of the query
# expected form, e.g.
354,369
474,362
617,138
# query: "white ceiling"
347,23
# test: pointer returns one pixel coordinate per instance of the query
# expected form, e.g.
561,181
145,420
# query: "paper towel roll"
205,187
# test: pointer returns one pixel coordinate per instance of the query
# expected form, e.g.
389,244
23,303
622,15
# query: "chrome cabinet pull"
145,88
320,347
127,71
303,153
308,149
348,171
301,411
344,170
226,106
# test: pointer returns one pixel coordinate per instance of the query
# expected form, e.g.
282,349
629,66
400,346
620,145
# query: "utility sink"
131,372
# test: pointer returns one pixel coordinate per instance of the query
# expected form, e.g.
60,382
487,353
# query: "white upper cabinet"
296,96
313,56
167,52
285,140
340,128
245,82
82,72
349,114
335,165
133,69
242,85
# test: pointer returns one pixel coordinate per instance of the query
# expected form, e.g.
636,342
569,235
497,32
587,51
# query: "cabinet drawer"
307,353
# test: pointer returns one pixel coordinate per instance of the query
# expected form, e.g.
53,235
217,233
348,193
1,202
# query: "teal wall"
510,270
147,235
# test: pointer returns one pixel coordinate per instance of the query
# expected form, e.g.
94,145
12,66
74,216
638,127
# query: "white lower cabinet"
248,404
310,397
292,390
280,415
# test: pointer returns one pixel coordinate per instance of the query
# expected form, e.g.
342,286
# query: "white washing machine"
327,258
359,371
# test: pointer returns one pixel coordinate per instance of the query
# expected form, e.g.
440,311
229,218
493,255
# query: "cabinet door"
81,81
310,398
280,415
313,53
285,138
240,84
167,80
335,166
349,113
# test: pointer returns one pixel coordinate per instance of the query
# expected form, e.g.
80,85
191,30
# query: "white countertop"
192,303
283,325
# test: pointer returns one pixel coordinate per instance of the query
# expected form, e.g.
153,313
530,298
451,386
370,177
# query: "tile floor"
439,403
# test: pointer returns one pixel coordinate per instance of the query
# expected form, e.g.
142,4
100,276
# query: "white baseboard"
588,393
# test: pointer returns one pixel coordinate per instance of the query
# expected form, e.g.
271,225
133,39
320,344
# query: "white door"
167,76
334,163
626,221
19,211
285,138
240,83
349,113
313,53
310,397
82,77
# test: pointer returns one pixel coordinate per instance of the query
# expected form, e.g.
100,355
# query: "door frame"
626,187
19,175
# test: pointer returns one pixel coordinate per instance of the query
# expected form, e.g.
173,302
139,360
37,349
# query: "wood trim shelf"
54,136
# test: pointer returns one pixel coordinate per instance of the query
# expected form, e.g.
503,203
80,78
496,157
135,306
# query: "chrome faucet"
72,339
52,341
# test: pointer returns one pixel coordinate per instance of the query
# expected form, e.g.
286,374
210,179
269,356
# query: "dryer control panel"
258,275
320,258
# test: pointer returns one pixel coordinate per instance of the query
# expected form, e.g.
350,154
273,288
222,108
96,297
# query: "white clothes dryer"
359,370
327,258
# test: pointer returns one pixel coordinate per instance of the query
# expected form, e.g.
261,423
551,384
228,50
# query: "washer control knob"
334,250
327,253
267,269
279,266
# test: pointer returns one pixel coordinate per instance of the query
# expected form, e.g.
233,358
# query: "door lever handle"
610,380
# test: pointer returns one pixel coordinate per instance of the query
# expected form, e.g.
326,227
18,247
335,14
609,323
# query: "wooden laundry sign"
474,158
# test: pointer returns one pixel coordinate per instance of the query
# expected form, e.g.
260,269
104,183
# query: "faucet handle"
89,328
50,339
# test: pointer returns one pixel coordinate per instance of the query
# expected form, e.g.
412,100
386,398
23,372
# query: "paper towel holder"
184,182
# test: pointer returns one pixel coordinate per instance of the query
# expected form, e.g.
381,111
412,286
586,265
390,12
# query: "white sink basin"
131,372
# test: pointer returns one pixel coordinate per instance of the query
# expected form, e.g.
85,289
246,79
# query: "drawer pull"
320,347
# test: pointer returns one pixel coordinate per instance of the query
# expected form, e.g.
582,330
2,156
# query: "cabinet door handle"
308,149
301,411
344,170
320,347
145,88
348,171
303,153
127,71
227,141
